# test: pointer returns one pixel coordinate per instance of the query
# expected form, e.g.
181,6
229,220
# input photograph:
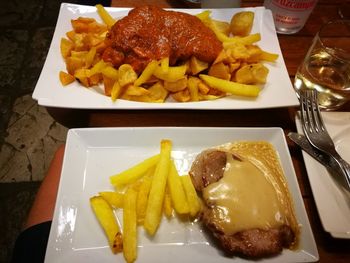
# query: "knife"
304,144
326,160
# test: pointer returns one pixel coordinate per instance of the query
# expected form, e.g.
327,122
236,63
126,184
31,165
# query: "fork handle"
344,168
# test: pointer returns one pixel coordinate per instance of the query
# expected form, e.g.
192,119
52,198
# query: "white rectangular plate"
93,155
332,203
277,92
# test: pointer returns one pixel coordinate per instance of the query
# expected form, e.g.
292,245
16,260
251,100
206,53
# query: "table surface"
294,48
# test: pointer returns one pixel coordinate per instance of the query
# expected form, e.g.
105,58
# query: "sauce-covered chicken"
151,33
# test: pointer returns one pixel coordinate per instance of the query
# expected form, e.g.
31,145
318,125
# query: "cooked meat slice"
208,168
149,32
253,242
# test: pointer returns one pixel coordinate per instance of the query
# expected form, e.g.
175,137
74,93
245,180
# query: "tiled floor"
28,134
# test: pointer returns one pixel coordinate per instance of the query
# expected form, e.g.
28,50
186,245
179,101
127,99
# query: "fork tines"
310,112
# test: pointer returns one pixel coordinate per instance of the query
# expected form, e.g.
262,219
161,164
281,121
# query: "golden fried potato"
241,23
182,96
222,26
146,73
127,75
130,226
197,65
252,74
132,174
193,88
114,199
105,16
175,86
231,87
107,220
177,191
142,198
66,78
157,191
66,47
220,70
173,73
157,92
191,195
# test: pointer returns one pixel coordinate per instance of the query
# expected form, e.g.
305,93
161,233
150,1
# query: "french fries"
114,199
83,48
157,191
177,191
191,195
145,192
106,218
135,172
130,226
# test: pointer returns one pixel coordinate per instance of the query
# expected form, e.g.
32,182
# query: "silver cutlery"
316,133
328,162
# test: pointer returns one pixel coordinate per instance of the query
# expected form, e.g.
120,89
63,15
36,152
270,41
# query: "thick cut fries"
191,195
142,199
113,198
177,191
152,188
130,226
132,174
157,192
106,218
84,49
230,87
105,16
168,208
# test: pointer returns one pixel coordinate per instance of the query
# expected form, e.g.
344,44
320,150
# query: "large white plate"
277,92
333,204
92,155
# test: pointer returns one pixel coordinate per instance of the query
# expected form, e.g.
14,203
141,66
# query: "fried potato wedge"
241,23
66,78
146,73
253,73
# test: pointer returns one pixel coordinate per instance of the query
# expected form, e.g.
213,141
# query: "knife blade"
304,144
326,160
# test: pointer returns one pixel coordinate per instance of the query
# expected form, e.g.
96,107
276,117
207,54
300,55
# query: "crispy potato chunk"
175,86
66,78
251,74
241,23
127,75
220,70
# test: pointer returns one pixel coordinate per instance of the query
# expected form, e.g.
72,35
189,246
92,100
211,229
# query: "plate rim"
309,161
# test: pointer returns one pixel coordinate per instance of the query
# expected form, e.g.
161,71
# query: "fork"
315,131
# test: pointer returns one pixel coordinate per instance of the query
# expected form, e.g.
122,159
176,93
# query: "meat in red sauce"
151,33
